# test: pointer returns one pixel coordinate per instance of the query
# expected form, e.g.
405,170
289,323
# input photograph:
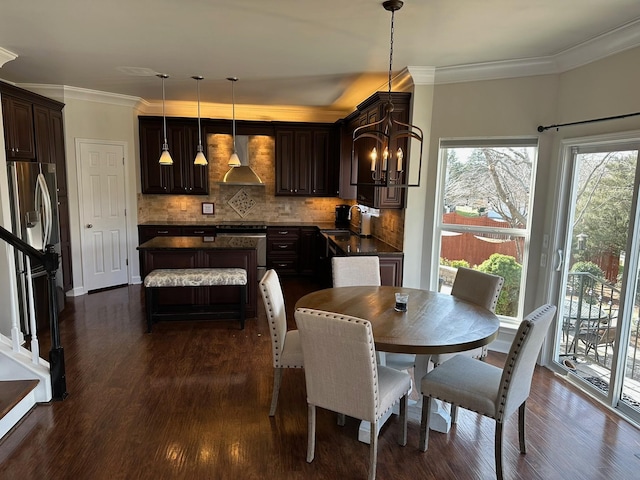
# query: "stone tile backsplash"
265,206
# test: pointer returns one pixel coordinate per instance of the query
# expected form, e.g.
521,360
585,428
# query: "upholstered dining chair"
486,389
479,288
356,270
285,345
359,271
342,375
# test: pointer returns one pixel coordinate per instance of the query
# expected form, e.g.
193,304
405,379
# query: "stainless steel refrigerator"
34,212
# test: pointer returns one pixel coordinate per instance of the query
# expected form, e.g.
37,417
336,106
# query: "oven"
246,229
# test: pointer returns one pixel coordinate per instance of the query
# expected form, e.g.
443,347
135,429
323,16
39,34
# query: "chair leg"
498,450
521,428
373,451
454,413
404,401
424,423
311,433
277,380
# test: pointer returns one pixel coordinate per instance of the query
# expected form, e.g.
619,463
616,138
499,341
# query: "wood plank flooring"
191,401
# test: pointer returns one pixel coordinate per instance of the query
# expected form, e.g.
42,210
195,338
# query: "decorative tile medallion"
242,203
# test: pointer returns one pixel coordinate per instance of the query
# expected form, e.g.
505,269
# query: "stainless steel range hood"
244,174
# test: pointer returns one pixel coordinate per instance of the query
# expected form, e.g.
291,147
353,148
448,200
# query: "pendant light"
389,136
165,157
234,160
200,158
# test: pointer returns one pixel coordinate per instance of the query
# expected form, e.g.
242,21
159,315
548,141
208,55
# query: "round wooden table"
433,323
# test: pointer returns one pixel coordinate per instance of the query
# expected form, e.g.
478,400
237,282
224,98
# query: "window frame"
445,144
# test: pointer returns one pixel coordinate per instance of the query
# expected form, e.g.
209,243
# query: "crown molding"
64,92
610,43
421,75
616,41
495,70
6,56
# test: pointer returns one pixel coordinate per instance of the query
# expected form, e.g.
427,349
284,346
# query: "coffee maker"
342,216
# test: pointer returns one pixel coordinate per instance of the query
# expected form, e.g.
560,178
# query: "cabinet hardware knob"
283,246
283,232
163,231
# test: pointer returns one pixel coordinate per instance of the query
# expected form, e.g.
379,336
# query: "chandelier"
385,143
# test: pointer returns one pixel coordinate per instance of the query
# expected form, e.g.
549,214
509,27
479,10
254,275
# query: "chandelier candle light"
389,136
165,157
200,158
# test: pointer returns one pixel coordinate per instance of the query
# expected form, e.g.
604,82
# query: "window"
485,197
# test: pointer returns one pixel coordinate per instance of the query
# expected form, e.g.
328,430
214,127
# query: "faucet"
357,207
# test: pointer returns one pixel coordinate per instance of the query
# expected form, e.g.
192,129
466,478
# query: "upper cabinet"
181,178
371,110
305,156
18,128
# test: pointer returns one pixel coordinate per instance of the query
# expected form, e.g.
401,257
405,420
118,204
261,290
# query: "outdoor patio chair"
603,335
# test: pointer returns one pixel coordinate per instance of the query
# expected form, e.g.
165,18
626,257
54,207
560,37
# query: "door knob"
89,225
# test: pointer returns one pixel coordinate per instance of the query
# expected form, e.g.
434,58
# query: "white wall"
515,107
86,119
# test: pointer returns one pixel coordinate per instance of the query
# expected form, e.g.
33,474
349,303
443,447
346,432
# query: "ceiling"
327,54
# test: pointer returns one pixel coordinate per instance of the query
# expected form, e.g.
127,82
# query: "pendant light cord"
199,129
233,110
164,118
393,13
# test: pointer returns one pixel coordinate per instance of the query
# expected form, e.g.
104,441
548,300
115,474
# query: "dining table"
433,323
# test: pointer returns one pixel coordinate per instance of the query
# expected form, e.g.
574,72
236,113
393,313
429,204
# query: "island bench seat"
193,277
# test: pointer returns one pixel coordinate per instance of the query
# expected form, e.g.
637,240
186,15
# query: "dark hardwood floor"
191,401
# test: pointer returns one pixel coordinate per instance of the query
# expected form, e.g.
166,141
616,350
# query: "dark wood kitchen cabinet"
34,131
181,178
304,159
283,247
391,270
309,250
18,128
372,110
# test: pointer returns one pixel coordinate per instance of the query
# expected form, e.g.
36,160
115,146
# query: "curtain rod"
542,129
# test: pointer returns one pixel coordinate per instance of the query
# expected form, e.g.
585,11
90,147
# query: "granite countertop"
347,242
199,243
351,244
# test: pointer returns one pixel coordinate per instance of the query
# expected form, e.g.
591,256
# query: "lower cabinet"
283,245
214,258
391,270
293,250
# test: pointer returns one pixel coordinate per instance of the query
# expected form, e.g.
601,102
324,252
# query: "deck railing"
591,322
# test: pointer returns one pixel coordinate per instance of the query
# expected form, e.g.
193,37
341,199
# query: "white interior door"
104,227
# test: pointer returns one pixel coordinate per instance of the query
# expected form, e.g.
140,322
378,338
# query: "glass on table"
401,302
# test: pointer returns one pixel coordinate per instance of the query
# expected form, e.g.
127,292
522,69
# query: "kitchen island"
203,252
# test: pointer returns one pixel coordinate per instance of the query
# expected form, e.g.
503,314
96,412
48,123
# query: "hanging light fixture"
165,157
200,158
234,160
390,138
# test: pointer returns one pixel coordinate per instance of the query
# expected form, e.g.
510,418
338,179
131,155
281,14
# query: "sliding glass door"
598,324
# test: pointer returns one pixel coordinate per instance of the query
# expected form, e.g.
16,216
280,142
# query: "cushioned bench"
193,277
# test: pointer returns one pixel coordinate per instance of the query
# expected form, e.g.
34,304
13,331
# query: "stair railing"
49,260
